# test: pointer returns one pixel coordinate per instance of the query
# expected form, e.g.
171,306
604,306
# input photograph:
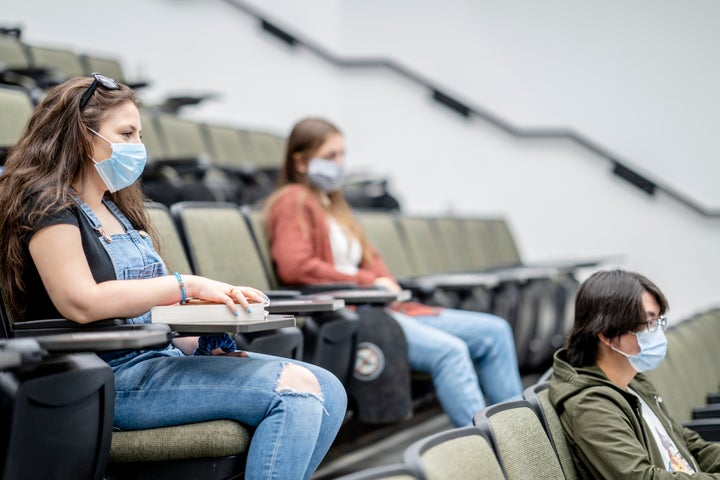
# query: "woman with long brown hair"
315,239
76,242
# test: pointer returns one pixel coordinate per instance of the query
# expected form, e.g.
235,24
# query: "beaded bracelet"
183,293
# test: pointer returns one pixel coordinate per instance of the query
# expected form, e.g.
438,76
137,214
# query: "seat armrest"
149,336
305,306
19,351
9,359
362,296
99,340
706,411
707,428
66,324
326,287
713,397
570,265
282,294
54,326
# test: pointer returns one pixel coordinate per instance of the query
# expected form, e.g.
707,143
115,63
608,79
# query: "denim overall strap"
132,253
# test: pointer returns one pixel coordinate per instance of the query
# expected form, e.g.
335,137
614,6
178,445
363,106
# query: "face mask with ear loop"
125,165
653,347
325,175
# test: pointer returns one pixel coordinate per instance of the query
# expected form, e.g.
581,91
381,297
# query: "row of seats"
524,439
37,66
474,263
228,242
519,439
189,160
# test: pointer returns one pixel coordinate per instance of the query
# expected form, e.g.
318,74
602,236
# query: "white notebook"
201,312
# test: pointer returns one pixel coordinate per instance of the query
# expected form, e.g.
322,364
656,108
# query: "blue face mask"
325,175
653,347
125,165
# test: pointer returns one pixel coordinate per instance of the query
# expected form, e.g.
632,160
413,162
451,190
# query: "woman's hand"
221,292
387,283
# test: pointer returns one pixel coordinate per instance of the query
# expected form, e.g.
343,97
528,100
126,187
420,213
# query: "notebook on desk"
205,317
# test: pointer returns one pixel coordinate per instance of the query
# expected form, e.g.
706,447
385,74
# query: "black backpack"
380,381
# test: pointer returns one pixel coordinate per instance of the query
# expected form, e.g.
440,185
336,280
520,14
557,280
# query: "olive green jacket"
607,436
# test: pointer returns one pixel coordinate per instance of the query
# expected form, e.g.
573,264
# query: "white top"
673,459
347,251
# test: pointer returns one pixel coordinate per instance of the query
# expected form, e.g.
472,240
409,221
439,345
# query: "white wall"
636,76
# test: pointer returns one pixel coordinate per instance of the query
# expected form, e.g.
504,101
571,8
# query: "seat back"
65,62
183,139
109,66
169,244
505,250
152,138
453,243
228,147
16,107
270,149
706,328
233,154
678,397
480,253
464,453
520,440
383,234
254,217
701,380
219,243
538,397
425,253
13,54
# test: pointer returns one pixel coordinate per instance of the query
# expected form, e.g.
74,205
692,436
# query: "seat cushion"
217,438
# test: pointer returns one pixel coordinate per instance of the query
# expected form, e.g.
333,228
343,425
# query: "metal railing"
464,108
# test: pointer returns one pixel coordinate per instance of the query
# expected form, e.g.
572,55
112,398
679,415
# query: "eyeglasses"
653,324
99,79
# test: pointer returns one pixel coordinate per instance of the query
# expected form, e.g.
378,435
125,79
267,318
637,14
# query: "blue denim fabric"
457,346
293,430
132,253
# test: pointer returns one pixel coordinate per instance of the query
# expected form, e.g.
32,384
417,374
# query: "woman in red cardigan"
315,239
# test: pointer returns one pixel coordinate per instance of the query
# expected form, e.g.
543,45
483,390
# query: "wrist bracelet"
183,293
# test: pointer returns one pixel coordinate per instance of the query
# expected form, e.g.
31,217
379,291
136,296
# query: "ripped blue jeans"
293,430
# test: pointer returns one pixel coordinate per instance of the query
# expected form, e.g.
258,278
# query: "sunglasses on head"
99,79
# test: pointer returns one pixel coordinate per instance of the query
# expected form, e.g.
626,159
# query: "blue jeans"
457,346
293,430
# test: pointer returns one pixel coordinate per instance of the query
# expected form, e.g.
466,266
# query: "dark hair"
608,302
52,154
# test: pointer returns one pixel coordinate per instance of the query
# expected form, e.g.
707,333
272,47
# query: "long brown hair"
306,137
52,154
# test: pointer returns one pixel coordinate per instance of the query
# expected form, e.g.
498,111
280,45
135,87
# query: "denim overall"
133,257
132,253
159,388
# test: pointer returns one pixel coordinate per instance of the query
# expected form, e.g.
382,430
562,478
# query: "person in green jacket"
613,418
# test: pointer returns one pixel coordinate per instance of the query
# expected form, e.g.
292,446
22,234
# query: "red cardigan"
300,242
300,246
